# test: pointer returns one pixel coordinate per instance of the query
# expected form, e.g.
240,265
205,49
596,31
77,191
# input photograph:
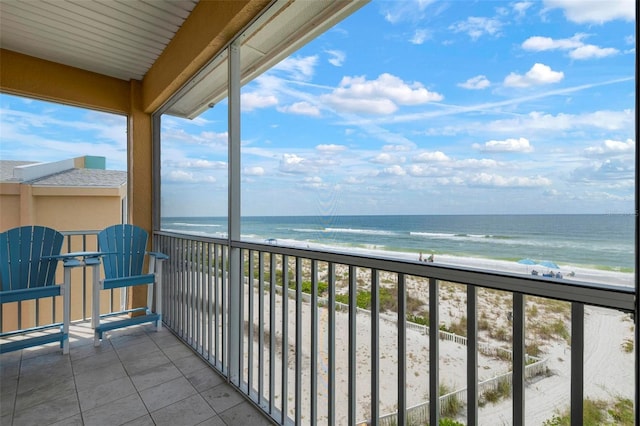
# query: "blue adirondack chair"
29,256
123,249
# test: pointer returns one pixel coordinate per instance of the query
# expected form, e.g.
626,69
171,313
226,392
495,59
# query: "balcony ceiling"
117,38
124,38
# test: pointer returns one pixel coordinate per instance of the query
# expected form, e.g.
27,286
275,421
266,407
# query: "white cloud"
379,96
386,158
539,121
313,182
476,83
595,11
301,108
298,68
181,176
352,180
608,170
254,100
198,164
476,163
589,51
432,156
420,36
292,163
611,147
419,170
253,171
336,57
538,43
537,75
398,148
400,11
394,170
476,27
576,47
330,148
492,180
521,7
507,145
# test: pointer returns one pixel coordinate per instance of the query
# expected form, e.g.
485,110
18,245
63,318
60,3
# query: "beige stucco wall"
64,209
75,210
9,205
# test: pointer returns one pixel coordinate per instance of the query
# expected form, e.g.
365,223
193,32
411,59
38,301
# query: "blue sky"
405,107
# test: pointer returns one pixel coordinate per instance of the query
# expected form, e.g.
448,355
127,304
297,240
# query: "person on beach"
430,259
420,258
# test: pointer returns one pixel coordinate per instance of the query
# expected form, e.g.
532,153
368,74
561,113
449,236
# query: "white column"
235,329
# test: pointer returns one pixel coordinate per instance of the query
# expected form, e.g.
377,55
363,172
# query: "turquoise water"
599,241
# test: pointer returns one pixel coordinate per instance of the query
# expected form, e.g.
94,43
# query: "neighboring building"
69,195
77,194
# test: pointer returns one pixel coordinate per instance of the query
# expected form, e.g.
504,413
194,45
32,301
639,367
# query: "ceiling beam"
25,75
208,29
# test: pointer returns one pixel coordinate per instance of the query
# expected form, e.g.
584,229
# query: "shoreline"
580,274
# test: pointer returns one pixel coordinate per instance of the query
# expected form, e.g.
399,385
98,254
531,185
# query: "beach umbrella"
548,264
527,262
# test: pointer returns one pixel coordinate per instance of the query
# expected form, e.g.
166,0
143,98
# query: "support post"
235,330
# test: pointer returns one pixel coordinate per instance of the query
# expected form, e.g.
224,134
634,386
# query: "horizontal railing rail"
286,352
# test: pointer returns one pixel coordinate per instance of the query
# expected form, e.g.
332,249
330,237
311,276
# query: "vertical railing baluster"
250,274
199,312
261,327
331,404
434,353
272,332
298,383
216,307
577,363
184,291
84,280
193,288
285,336
375,347
402,350
180,287
224,282
210,280
240,337
352,345
518,359
169,278
313,393
472,356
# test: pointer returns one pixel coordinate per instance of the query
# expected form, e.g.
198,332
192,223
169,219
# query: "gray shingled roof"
84,177
6,169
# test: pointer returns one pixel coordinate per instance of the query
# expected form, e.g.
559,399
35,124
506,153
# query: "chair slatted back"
22,250
125,247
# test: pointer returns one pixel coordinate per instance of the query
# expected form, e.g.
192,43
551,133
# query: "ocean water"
593,241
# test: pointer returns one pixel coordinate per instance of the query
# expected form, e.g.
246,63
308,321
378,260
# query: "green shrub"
342,298
503,390
597,412
417,319
622,411
449,422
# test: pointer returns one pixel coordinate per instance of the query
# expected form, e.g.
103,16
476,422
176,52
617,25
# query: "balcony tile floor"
136,377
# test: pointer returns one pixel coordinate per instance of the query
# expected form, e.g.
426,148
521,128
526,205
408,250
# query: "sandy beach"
607,366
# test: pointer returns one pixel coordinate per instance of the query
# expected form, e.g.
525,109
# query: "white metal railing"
285,352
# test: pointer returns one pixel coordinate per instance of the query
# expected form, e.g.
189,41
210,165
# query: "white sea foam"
199,225
360,231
